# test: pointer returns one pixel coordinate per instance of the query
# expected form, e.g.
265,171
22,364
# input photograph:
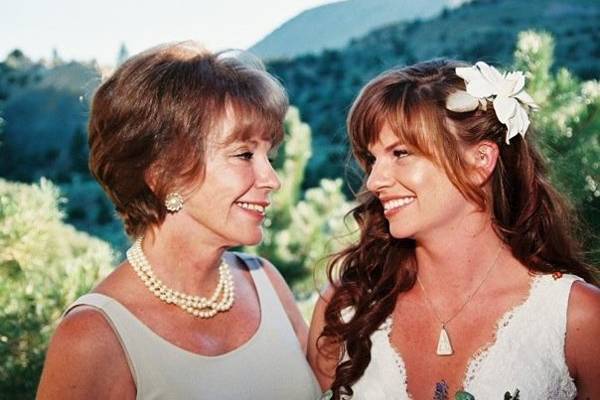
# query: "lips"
391,205
255,207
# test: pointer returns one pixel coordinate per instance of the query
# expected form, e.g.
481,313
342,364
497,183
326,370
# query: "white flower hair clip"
505,91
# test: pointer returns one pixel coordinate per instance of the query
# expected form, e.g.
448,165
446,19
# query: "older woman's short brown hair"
152,118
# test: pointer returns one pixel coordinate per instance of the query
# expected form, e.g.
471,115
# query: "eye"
247,155
400,153
369,159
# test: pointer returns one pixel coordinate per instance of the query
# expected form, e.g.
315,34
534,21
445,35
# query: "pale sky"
83,29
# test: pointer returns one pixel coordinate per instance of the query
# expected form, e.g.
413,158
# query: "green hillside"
324,86
45,111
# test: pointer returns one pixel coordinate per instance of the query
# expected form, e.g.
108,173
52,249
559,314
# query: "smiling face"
228,206
418,198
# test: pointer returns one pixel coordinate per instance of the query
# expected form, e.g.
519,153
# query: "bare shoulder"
84,357
323,355
583,330
317,323
327,293
323,300
583,310
584,301
83,332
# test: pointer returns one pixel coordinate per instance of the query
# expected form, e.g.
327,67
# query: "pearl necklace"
195,305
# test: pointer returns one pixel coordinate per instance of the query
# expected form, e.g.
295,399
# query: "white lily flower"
484,82
461,101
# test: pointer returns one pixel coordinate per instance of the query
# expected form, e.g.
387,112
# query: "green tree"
302,229
44,266
78,152
568,123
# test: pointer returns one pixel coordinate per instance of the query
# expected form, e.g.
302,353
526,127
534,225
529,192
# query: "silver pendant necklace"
444,345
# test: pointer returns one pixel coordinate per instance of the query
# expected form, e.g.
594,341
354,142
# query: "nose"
379,178
266,176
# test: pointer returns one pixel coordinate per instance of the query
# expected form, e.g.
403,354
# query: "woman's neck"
182,258
457,260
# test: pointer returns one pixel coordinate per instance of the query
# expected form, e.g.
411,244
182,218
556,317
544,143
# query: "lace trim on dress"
398,360
501,325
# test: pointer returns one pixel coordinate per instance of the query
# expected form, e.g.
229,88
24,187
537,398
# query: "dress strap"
126,327
273,313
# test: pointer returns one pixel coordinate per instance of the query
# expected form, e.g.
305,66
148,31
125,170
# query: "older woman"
466,282
180,140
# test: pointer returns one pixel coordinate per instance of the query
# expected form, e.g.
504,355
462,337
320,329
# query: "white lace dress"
528,353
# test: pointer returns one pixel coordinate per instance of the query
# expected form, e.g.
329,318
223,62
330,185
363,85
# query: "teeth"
252,206
388,205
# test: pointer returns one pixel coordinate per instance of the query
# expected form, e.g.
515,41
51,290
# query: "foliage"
45,265
568,126
303,229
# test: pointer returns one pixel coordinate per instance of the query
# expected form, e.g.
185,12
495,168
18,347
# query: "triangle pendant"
444,348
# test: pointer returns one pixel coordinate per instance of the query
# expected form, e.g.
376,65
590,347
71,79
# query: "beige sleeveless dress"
271,365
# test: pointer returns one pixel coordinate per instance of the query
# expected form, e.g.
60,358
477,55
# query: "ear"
482,158
151,176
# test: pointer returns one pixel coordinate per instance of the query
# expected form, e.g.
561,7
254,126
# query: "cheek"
414,179
228,184
419,179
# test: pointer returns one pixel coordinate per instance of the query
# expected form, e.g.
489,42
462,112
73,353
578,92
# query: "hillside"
324,86
333,25
45,112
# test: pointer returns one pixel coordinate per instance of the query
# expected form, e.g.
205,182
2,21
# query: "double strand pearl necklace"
195,305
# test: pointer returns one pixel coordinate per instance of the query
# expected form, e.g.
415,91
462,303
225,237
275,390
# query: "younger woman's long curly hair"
528,214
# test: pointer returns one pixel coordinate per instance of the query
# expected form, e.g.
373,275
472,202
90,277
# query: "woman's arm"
323,356
583,330
85,361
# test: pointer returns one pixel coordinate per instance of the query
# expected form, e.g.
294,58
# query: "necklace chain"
468,299
197,306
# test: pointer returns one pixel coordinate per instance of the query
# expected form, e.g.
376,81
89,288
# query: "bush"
45,265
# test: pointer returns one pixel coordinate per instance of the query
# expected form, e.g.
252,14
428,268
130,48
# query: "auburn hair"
528,214
151,119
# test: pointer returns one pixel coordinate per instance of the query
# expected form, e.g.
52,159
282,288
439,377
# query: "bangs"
255,100
252,120
409,111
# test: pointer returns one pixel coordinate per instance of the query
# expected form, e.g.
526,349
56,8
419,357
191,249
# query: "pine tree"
568,126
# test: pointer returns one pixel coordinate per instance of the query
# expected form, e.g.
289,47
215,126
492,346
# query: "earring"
174,202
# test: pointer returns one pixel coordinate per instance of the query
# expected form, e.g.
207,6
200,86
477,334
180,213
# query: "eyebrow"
255,143
391,146
241,142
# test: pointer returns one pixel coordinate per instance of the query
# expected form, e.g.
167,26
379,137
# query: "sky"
83,30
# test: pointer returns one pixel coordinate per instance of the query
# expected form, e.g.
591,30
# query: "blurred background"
59,233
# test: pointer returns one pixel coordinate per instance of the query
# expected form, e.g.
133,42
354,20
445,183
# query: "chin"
402,232
251,239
